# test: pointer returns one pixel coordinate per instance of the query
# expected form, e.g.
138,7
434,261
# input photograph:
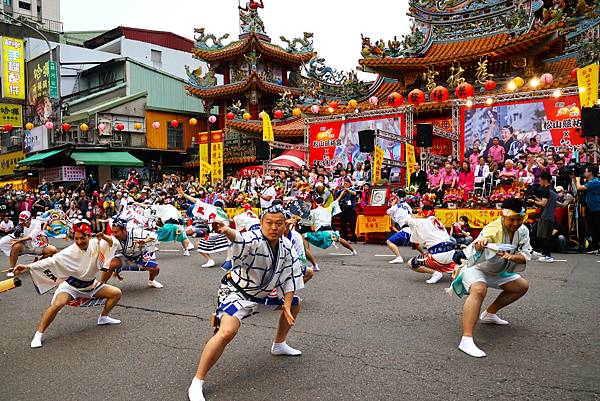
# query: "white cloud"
337,25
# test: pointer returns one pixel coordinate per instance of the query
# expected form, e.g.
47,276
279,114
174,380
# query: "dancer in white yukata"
324,235
430,233
263,260
493,260
27,238
135,252
74,269
399,211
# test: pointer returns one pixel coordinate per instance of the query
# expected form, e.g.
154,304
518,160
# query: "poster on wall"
552,122
337,142
13,68
35,140
43,88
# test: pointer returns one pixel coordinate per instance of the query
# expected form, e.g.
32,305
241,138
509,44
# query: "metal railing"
41,23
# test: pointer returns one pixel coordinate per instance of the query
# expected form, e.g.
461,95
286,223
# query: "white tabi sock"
435,277
284,349
316,268
467,345
102,320
487,317
37,340
195,390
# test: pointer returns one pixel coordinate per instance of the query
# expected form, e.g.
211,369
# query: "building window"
174,136
8,3
24,5
156,58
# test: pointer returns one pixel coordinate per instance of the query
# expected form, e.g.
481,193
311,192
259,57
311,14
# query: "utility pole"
20,21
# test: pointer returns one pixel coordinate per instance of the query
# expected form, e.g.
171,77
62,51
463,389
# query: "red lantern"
574,73
278,114
230,116
464,90
120,127
416,97
8,127
334,105
174,123
440,94
395,99
66,127
490,85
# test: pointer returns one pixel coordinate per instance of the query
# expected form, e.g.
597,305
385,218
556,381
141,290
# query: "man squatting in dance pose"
263,260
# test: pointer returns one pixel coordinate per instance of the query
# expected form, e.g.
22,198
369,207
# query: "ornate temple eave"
284,129
234,89
251,42
443,54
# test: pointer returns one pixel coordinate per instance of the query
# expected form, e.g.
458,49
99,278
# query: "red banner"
337,141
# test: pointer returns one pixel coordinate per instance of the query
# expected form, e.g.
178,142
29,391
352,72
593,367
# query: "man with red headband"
74,270
431,234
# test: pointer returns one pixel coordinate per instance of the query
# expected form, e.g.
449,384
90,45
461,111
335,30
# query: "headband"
120,223
82,227
512,213
276,209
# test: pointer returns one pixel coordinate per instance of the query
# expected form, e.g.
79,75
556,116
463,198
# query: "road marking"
385,256
168,250
340,254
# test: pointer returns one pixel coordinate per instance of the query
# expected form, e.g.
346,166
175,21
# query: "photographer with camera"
545,198
591,188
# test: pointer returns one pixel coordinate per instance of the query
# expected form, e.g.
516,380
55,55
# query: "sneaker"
397,260
186,253
537,255
154,284
435,277
210,263
546,259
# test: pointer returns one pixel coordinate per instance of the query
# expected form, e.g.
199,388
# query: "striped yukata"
133,256
263,275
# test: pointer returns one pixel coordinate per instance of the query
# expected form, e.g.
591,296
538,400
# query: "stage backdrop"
551,121
337,141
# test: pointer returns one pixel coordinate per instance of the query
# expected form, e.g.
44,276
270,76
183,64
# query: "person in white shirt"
431,234
6,226
26,239
399,212
324,235
481,173
268,193
75,267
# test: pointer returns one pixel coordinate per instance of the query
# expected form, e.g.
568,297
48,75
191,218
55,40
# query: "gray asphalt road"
368,331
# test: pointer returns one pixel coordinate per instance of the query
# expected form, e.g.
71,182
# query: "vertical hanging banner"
53,80
267,128
411,159
13,68
377,164
216,155
587,79
203,161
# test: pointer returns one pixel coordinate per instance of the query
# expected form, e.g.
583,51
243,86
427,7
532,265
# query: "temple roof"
443,54
251,42
234,89
285,129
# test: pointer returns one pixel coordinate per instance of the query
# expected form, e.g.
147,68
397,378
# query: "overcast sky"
337,25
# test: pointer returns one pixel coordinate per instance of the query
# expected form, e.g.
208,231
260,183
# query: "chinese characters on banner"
13,67
203,162
411,159
377,164
372,224
63,173
42,88
216,155
587,79
8,162
11,114
267,128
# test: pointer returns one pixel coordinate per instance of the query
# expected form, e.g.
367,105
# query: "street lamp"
20,21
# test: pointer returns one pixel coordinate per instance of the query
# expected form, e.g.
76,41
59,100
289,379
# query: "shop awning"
39,157
117,159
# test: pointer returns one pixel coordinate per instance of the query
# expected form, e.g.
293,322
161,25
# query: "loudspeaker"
366,141
263,151
424,135
590,121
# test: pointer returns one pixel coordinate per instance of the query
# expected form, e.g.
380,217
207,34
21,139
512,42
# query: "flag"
411,159
267,128
587,79
209,212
